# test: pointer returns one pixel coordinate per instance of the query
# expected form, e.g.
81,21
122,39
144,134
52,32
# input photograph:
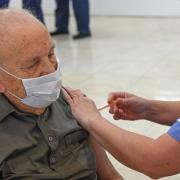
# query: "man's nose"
47,67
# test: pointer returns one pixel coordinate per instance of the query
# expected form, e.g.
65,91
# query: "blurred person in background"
81,11
4,3
32,5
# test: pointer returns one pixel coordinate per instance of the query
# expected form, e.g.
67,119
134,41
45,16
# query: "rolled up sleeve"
174,131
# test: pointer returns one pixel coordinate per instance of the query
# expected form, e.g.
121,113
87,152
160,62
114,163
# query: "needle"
100,109
104,107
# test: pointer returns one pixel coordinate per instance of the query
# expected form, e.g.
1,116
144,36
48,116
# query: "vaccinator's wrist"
152,110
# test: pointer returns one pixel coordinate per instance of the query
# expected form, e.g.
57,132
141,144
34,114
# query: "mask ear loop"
14,77
10,73
14,95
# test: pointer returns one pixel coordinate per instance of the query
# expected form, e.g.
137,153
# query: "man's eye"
51,55
32,65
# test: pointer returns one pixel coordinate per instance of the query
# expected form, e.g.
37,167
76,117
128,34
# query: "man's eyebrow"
52,47
35,59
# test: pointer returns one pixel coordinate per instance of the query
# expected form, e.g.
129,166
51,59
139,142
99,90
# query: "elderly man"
39,136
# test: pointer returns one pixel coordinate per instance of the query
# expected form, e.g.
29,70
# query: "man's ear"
2,88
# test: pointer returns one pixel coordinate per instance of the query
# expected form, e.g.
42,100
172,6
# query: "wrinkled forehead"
34,40
26,43
21,33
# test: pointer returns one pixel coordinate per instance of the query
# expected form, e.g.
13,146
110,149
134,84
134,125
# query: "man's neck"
22,107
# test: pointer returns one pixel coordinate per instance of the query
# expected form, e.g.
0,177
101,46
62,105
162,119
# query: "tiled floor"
140,55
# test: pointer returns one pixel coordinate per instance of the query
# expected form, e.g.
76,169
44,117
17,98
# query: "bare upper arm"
105,169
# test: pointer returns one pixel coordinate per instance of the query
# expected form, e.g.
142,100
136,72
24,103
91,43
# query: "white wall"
136,7
123,7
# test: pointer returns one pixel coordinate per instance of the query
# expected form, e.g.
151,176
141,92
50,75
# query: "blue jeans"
35,7
81,11
32,5
4,3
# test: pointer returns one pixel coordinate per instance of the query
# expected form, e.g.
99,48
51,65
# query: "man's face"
30,54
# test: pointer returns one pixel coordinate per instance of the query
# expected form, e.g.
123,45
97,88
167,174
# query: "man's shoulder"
62,100
62,106
5,107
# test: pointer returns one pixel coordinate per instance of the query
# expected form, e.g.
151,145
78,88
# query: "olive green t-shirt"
46,147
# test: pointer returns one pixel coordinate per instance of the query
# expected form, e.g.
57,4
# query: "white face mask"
41,91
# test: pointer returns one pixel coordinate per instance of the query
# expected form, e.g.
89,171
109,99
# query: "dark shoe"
58,32
82,35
